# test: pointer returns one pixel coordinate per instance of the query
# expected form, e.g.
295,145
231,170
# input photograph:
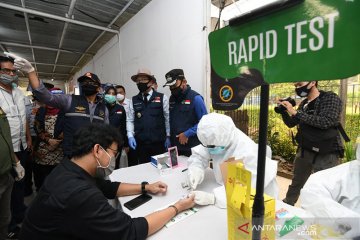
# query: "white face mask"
103,171
120,97
110,159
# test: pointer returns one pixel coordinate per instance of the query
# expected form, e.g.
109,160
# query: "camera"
280,108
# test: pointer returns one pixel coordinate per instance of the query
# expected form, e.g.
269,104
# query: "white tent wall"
162,36
105,63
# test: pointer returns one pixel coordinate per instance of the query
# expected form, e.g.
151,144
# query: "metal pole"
64,19
258,206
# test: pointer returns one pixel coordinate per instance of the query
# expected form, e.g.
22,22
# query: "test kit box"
240,198
160,162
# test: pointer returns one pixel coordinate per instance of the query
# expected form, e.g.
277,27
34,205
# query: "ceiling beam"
66,24
52,16
111,23
42,47
50,73
52,64
28,32
3,48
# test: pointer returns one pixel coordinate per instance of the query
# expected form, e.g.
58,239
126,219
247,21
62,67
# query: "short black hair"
110,87
6,59
121,86
96,133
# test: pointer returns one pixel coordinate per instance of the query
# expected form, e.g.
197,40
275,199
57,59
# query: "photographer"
319,143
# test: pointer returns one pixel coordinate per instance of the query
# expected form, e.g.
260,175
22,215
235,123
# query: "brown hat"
143,72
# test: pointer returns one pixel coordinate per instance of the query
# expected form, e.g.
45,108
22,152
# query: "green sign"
315,40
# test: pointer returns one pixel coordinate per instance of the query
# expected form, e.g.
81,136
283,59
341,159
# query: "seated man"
334,195
220,141
72,205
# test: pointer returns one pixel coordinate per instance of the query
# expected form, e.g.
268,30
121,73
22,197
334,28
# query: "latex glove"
167,143
132,143
20,171
204,198
195,177
21,63
349,227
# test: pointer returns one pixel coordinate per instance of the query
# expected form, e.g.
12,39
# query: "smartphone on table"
138,201
173,155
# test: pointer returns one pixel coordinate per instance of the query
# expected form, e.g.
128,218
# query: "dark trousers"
145,150
184,152
17,205
6,185
28,173
132,157
307,162
40,174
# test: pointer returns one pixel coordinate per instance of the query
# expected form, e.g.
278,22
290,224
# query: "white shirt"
126,105
131,116
13,104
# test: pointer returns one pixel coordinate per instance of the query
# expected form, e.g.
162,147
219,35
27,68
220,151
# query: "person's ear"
96,149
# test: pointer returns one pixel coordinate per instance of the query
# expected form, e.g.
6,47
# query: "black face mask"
142,87
88,89
303,91
176,92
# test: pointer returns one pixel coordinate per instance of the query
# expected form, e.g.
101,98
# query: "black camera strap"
343,133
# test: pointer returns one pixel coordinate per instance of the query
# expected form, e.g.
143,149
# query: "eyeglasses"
116,152
89,82
208,146
142,80
9,71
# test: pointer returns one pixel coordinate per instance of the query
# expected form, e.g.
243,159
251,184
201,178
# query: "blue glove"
167,143
132,143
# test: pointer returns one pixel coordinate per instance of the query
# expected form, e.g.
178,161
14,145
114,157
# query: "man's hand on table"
185,203
157,187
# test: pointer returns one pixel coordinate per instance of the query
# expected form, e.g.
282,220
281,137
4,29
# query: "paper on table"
181,216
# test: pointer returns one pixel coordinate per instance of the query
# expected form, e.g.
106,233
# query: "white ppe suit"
220,130
334,193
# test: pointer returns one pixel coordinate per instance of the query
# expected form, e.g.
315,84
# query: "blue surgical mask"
110,98
216,150
8,79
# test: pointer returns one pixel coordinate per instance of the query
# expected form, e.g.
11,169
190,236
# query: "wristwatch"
143,187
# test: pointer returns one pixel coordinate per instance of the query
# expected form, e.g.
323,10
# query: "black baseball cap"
91,76
173,75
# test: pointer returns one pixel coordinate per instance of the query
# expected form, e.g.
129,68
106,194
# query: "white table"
208,223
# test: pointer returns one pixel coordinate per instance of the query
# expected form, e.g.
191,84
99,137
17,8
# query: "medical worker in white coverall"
221,140
333,197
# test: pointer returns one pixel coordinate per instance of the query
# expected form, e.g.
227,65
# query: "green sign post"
315,40
310,41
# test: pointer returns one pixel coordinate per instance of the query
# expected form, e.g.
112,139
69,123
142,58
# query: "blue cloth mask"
110,98
8,79
216,150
